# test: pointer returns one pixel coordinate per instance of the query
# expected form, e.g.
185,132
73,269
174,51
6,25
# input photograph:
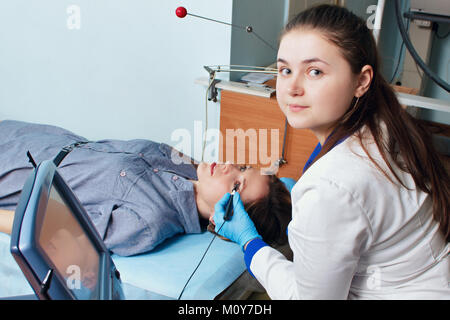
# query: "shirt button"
174,178
155,170
123,173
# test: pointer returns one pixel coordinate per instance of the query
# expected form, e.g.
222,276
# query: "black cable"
226,217
198,265
437,34
433,76
283,151
402,47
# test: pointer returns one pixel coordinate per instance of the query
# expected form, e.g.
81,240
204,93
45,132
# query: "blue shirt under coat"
135,195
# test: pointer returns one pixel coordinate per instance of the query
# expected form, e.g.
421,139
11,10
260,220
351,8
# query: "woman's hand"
240,228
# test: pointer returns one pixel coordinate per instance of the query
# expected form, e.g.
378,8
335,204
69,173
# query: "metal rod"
228,24
242,66
426,16
244,70
249,29
218,69
265,42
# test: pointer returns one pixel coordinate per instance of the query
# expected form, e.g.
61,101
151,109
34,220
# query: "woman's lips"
297,107
212,167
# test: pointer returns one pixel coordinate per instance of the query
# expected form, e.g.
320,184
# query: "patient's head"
265,197
214,180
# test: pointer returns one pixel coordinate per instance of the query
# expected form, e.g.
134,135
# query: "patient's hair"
271,214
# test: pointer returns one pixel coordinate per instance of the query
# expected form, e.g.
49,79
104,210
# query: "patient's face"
214,180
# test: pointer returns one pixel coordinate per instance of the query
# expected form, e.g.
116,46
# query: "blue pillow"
288,182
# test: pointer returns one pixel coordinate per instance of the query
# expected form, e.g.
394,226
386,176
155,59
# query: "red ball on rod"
181,12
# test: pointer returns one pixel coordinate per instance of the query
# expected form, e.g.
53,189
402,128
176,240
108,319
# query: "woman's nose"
295,86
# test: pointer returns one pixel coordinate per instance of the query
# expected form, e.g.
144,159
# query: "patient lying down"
136,192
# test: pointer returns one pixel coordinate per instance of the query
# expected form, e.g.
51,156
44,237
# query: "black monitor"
56,245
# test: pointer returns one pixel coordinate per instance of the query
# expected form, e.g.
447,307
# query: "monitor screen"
56,245
68,248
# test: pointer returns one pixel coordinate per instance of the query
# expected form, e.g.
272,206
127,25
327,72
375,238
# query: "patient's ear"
241,181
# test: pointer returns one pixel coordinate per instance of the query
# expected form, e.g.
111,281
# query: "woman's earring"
356,103
351,111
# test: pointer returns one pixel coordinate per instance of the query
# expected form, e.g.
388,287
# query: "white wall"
127,72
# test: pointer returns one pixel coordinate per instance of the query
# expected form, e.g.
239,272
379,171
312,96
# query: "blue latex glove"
240,228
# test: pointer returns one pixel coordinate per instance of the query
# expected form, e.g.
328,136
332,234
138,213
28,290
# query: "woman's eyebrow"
306,61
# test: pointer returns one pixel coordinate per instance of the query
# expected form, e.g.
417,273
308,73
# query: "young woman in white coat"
370,213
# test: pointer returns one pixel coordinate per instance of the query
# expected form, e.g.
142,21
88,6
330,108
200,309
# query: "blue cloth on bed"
165,270
12,280
137,192
159,274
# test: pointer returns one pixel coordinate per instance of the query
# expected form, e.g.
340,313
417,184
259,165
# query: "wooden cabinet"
250,126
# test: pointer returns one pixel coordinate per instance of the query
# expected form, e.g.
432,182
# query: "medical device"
181,12
56,245
229,208
211,91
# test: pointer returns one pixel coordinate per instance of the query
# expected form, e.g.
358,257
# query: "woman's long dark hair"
408,144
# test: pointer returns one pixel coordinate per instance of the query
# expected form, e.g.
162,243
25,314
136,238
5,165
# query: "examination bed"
159,274
162,273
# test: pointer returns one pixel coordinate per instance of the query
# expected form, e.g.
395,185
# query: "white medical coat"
356,235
